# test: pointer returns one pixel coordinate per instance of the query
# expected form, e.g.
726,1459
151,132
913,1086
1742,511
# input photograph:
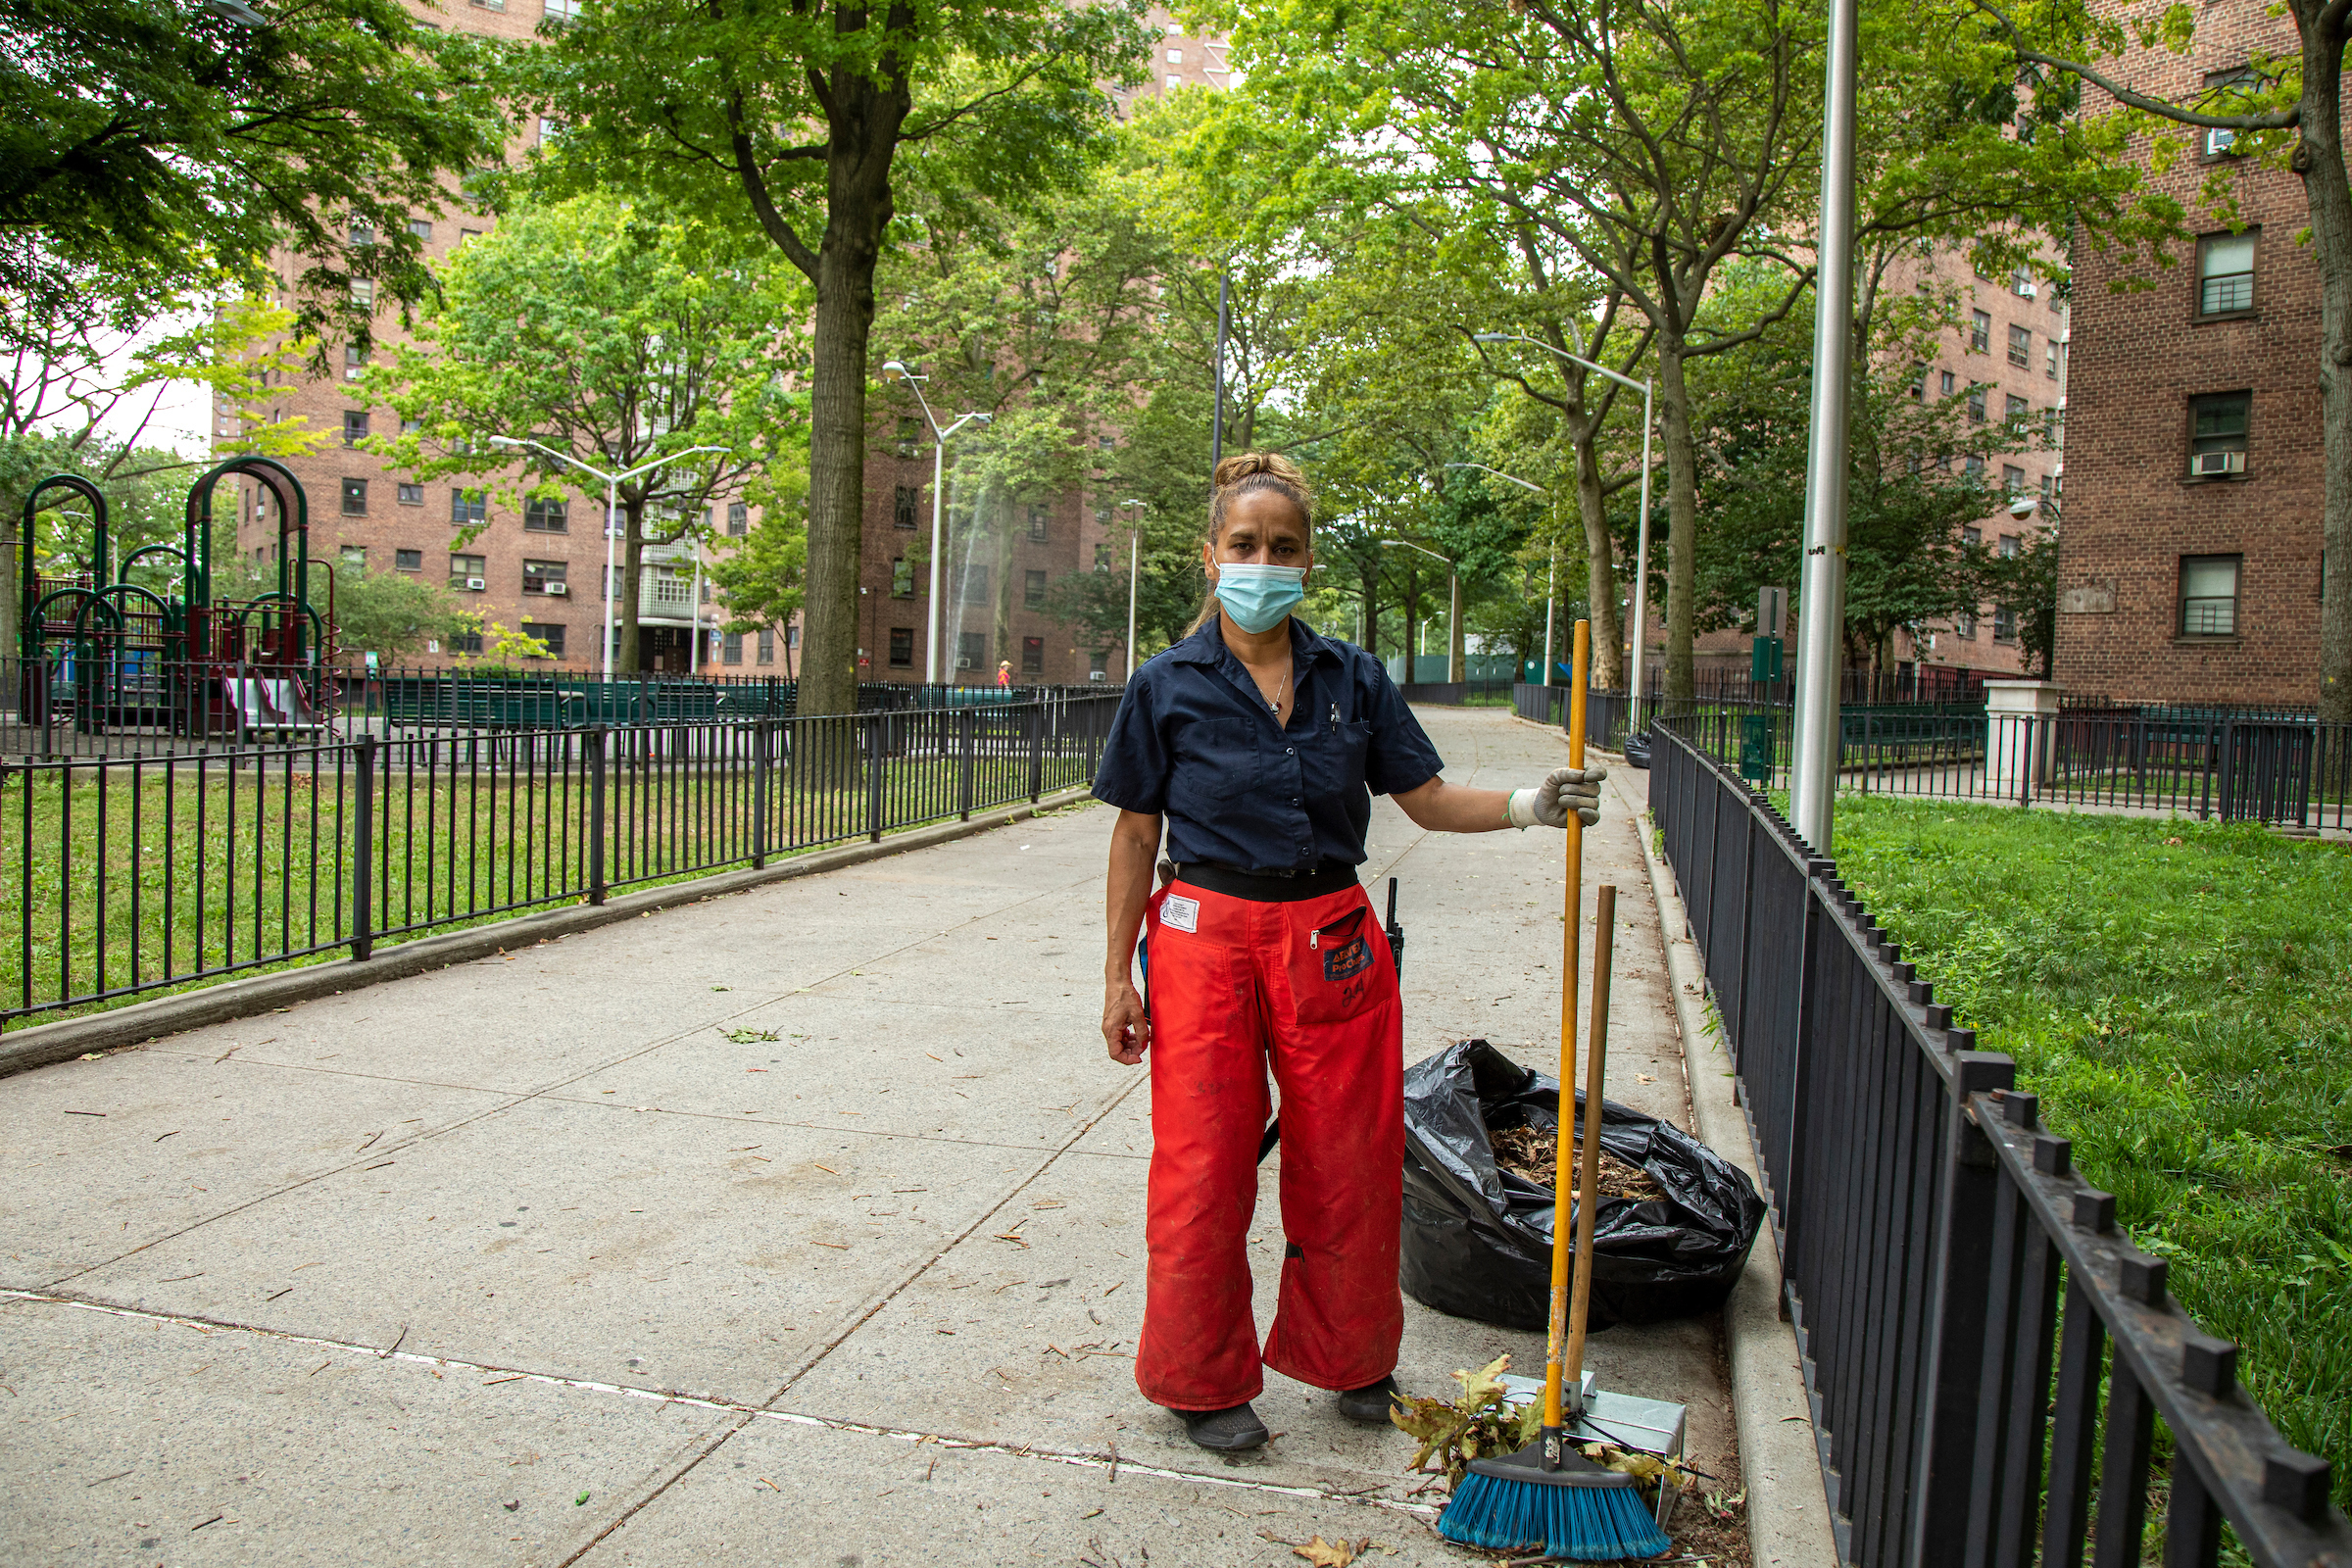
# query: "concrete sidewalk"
799,1225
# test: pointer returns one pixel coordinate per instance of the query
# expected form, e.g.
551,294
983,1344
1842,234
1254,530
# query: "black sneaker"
1228,1431
1371,1403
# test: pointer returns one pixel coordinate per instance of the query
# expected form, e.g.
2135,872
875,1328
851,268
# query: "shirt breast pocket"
1216,759
1335,759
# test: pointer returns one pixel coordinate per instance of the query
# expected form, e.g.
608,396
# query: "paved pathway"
559,1257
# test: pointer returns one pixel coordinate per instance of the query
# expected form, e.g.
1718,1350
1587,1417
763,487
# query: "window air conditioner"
2206,463
475,585
558,589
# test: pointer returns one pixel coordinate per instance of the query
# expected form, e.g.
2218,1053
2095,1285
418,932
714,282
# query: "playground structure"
100,653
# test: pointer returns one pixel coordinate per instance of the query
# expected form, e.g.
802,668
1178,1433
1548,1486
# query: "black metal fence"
1983,1350
114,703
2238,765
137,873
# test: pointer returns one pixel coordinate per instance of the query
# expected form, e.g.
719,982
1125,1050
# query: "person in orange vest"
1259,745
1005,674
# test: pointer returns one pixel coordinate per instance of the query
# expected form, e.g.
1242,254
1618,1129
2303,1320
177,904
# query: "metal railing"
1983,1350
133,874
2238,765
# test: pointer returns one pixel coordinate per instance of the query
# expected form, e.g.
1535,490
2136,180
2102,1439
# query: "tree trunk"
632,578
1681,515
2319,157
1601,570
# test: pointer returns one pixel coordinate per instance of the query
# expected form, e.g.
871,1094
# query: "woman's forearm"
1134,844
1437,807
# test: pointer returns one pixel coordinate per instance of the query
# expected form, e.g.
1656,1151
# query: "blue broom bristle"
1588,1524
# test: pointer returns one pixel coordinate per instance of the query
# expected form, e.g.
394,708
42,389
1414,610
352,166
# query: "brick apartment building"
541,568
2189,564
2006,360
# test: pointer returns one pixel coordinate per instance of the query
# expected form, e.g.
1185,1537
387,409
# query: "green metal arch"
27,570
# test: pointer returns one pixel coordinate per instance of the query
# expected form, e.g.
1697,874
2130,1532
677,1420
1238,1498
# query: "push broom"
1548,1497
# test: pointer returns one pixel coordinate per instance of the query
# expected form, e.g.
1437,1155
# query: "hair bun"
1247,464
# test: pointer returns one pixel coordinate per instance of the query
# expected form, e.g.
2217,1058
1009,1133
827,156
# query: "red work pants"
1309,987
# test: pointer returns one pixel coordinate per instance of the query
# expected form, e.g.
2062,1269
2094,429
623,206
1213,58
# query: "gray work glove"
1563,790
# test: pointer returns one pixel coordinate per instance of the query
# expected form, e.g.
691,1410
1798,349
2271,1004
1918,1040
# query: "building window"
2217,433
464,642
466,511
2049,366
1032,655
903,503
2226,273
354,498
1033,590
2010,545
547,632
1964,626
2017,410
412,495
2004,625
545,516
561,12
354,556
2021,284
1174,82
407,561
1973,466
354,360
902,647
2013,485
2217,140
2020,348
2209,595
1979,331
739,519
355,426
1102,558
902,578
466,573
1098,666
730,648
767,645
1944,384
971,647
544,576
1039,516
465,234
909,433
1976,405
363,293
1972,536
975,583
1919,385
422,227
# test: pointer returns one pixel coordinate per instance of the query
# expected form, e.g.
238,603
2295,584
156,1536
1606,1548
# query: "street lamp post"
1135,558
612,512
896,371
1453,587
1641,546
1551,561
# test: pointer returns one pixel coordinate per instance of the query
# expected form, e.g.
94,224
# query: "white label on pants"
1180,913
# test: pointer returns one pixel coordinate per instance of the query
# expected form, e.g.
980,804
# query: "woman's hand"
1125,1028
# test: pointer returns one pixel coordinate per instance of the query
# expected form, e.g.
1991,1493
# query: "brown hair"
1238,476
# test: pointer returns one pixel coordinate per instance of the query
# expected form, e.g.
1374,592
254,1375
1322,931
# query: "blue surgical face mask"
1258,597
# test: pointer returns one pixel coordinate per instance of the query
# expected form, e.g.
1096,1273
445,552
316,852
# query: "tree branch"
2268,120
754,186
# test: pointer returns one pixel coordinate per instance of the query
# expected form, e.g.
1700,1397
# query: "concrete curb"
1788,1508
144,1021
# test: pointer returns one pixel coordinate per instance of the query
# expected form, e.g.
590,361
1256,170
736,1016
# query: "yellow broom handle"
1556,1344
1587,1181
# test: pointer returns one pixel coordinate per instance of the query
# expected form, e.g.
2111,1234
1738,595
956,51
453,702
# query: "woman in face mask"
1260,744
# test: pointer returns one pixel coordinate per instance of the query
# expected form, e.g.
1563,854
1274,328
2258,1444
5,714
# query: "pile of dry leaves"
1529,1152
1482,1422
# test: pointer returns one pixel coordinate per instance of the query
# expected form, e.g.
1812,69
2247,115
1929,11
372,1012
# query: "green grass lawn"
2179,995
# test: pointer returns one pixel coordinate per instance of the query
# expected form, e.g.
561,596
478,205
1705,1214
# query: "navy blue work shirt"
1195,742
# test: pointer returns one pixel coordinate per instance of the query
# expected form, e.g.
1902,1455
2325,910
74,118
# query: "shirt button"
1294,800
1290,751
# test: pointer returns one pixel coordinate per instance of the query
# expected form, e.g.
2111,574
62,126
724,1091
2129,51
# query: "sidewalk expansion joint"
1115,1464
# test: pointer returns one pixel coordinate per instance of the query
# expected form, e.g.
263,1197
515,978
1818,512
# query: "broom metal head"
1576,1510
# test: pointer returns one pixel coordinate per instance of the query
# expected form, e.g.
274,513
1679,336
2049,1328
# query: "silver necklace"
1274,703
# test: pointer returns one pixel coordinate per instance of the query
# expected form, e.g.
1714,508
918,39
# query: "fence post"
596,735
362,910
963,784
763,749
874,747
1036,752
1957,1308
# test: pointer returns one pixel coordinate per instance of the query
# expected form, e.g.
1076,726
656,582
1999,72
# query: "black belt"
1269,887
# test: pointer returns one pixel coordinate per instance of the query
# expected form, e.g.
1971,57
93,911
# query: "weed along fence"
1987,1354
2236,764
133,874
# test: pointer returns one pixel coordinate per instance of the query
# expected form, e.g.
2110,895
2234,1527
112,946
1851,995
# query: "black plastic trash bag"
1478,1240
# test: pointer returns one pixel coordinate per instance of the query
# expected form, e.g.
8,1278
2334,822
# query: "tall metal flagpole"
1216,429
1821,610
